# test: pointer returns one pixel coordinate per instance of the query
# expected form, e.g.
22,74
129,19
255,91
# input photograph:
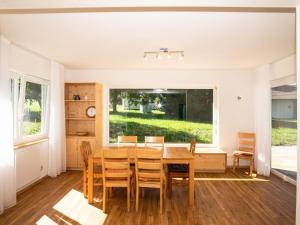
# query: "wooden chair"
149,172
155,141
116,172
245,150
86,150
179,170
127,140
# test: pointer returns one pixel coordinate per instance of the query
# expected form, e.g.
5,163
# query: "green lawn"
155,124
284,136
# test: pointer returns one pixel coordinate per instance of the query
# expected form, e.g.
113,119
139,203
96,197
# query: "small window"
30,102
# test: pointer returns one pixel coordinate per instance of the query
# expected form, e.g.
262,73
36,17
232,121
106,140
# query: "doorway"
284,130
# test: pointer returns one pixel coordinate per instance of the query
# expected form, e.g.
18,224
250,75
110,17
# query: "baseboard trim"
284,177
25,188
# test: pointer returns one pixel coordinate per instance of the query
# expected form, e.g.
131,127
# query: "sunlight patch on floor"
45,220
76,207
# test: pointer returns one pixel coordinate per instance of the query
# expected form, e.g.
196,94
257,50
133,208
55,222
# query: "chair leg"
84,177
251,166
137,199
128,198
143,192
170,184
234,162
104,199
238,163
161,199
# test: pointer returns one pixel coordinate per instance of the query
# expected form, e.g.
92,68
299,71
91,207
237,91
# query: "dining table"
171,155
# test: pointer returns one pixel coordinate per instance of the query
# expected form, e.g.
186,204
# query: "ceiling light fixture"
164,53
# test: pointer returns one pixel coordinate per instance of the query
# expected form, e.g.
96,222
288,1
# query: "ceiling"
117,40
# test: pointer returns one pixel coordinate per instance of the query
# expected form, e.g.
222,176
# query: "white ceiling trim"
6,5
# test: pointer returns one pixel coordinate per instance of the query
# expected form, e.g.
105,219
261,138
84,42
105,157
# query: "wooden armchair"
116,172
155,141
245,150
127,140
179,170
149,172
86,150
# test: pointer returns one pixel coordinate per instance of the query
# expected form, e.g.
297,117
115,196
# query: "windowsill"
29,143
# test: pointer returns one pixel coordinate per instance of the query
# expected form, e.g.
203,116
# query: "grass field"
155,124
284,136
284,132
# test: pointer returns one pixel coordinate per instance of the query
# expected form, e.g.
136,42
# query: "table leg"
191,182
91,180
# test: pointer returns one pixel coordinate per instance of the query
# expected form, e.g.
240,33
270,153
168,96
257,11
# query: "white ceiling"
117,40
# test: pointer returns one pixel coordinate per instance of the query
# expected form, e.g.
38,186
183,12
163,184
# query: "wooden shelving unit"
78,121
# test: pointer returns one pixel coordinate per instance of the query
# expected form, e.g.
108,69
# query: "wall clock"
91,111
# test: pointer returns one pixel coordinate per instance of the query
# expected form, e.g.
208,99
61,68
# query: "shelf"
80,118
80,100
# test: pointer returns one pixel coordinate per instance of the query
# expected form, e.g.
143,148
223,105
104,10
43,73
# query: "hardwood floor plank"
220,199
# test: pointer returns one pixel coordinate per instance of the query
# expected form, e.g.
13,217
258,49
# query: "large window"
179,115
30,103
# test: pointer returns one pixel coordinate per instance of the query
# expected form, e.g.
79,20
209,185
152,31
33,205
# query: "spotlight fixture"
164,53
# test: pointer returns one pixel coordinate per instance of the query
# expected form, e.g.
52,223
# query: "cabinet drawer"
210,162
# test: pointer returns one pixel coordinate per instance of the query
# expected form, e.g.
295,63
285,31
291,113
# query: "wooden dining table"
171,155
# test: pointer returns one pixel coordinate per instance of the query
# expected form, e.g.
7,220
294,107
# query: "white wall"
283,71
31,159
234,115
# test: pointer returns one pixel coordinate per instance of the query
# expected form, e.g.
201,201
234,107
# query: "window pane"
32,109
179,115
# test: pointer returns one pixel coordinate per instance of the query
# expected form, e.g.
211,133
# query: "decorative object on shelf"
76,97
91,111
86,98
164,53
83,133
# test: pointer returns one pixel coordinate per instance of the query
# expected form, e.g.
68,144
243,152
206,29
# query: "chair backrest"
246,142
86,150
155,141
115,165
127,140
148,165
193,146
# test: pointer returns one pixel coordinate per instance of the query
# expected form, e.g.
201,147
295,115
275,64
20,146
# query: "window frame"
215,131
19,105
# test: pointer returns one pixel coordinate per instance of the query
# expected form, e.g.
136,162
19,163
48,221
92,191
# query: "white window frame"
19,105
215,132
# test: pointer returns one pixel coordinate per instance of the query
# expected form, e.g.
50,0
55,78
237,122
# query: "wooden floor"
220,199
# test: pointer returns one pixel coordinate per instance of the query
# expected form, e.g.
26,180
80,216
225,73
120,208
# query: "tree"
115,98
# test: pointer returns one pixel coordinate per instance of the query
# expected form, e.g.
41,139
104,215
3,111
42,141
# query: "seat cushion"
243,153
184,168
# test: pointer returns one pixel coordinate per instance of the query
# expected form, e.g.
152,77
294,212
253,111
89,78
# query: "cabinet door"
80,140
72,153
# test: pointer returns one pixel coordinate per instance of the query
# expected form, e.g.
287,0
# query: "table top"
174,153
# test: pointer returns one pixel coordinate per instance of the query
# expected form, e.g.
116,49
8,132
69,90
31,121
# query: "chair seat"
242,153
178,168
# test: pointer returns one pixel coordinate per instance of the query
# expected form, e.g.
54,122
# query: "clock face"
91,111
